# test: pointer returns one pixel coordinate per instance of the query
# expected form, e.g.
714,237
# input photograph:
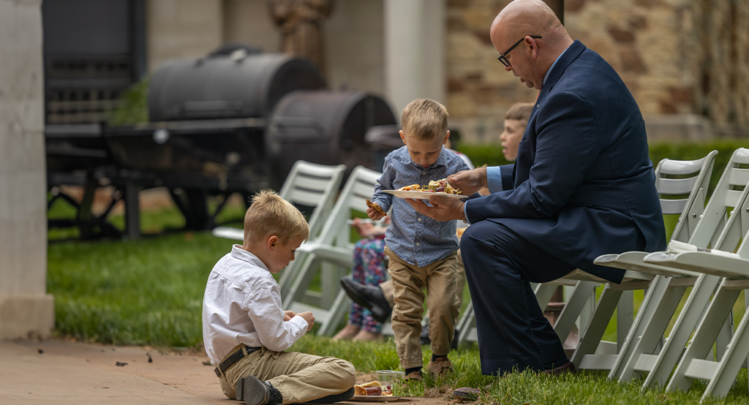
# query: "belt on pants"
235,357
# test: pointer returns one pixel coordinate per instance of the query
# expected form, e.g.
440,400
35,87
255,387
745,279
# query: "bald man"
582,186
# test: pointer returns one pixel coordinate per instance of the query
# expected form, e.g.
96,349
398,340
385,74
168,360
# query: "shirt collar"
405,158
240,254
552,66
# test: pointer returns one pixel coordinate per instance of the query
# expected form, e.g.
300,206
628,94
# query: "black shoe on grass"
255,392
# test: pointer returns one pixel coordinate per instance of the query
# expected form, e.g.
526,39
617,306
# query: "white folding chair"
332,247
734,268
639,353
307,184
682,187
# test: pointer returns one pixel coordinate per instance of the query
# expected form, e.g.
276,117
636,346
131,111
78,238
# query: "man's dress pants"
513,334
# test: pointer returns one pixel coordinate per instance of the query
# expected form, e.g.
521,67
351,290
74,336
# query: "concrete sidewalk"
79,373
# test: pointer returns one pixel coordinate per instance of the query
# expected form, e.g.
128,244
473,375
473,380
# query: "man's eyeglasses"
502,55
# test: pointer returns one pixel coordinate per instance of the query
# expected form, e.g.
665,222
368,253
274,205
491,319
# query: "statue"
301,22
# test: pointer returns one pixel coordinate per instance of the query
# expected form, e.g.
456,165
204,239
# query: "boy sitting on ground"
245,330
421,250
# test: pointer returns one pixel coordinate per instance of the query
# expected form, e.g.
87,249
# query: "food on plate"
376,207
434,186
373,388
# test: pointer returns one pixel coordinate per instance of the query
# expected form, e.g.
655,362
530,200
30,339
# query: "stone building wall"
25,307
683,60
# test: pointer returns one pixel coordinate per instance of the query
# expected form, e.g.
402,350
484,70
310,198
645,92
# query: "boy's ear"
447,136
272,242
403,138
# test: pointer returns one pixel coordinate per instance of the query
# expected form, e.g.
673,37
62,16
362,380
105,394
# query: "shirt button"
417,243
424,173
419,219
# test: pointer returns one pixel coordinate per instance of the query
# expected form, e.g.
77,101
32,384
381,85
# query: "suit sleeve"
567,146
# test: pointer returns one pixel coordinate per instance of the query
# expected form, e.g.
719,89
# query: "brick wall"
677,57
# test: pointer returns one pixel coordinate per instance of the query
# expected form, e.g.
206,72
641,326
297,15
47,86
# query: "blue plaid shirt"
415,238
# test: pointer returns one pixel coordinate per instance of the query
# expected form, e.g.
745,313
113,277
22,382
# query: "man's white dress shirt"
242,304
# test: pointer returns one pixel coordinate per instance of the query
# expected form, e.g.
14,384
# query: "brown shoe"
414,376
439,368
568,367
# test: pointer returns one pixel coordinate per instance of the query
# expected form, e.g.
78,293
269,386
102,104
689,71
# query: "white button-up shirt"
242,304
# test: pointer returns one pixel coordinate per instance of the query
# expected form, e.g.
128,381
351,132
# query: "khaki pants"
298,377
388,290
439,278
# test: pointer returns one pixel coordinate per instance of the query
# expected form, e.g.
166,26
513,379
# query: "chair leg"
544,291
690,315
706,334
624,317
653,295
647,333
595,329
729,367
335,315
302,280
724,337
466,323
573,308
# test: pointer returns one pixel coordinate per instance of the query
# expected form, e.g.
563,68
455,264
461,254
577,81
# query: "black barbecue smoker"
228,123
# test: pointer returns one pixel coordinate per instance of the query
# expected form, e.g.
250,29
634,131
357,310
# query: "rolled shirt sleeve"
494,179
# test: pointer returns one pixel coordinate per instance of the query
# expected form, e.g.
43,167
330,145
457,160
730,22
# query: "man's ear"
403,138
533,47
272,243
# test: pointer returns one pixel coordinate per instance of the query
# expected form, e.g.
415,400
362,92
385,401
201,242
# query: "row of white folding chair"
734,271
694,179
310,185
674,180
639,353
332,254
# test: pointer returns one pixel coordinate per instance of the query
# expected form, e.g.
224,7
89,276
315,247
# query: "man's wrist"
484,178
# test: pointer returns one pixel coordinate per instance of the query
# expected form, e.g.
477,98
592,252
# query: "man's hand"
468,181
442,209
287,315
307,316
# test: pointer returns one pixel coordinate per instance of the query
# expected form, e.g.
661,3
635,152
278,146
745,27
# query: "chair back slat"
696,179
305,197
741,156
315,183
673,207
732,198
739,177
676,186
681,167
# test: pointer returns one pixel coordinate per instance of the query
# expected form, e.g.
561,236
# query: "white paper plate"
423,195
374,398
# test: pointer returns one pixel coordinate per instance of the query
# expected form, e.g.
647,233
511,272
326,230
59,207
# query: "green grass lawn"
149,292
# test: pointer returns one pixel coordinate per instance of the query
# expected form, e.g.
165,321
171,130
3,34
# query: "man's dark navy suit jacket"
583,184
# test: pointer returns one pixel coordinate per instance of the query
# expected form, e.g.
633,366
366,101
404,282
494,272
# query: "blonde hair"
269,215
520,111
425,119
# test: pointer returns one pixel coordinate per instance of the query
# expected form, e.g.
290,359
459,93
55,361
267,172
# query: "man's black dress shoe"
368,297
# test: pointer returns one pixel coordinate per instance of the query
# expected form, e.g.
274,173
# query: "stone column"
25,307
414,51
